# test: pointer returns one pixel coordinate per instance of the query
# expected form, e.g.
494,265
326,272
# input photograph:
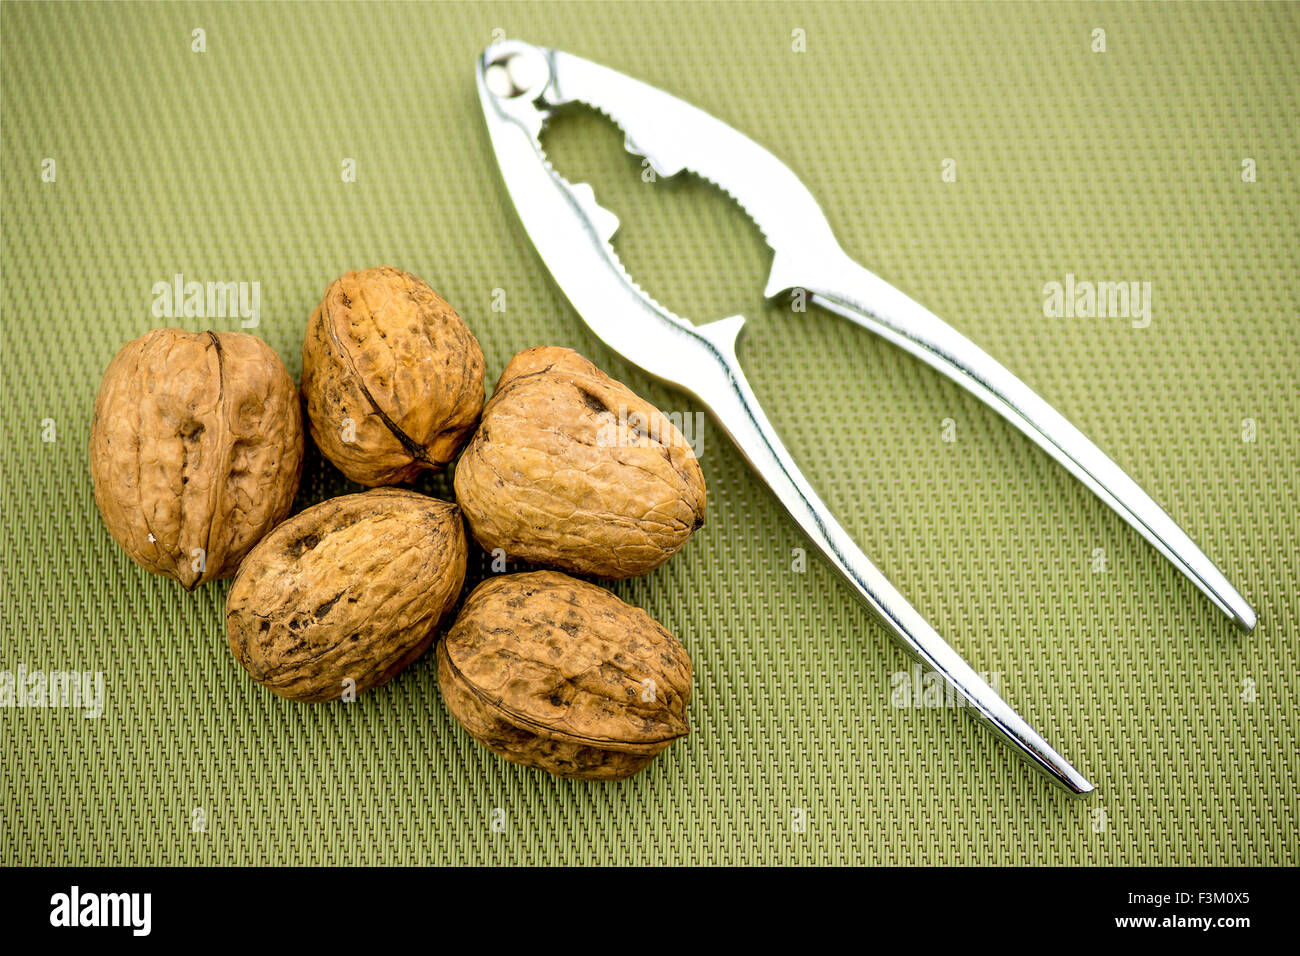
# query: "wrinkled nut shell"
352,589
572,469
555,673
392,377
195,450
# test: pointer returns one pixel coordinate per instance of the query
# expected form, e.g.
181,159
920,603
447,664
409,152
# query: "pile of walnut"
196,451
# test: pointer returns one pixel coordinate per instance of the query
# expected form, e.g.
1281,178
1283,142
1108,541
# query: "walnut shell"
572,469
195,450
392,377
353,588
552,672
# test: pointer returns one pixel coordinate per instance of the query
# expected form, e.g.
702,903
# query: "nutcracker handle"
732,402
849,290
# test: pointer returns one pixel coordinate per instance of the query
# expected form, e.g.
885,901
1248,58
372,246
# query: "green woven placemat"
1124,165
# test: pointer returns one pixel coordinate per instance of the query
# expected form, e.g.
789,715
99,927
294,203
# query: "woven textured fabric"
970,154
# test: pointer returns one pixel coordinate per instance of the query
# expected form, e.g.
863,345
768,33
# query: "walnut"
341,597
572,470
195,450
392,377
552,672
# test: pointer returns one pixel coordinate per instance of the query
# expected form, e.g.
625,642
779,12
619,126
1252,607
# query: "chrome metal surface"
519,85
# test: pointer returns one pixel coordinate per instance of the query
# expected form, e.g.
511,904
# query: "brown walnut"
344,595
555,673
392,377
195,450
572,469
